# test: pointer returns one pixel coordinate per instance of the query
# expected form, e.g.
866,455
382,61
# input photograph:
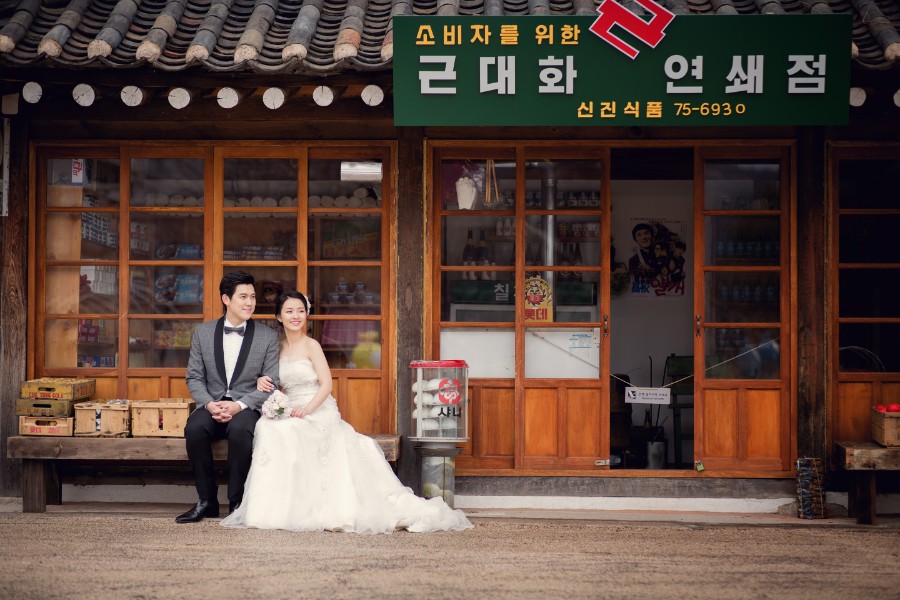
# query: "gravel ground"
140,556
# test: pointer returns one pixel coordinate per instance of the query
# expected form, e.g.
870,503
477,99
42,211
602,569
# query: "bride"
311,471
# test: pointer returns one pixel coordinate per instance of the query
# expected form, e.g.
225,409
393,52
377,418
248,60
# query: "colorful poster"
658,264
538,300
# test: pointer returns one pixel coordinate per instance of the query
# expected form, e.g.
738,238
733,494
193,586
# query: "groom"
227,356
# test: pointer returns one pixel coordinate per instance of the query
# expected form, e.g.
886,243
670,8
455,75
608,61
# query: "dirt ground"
136,555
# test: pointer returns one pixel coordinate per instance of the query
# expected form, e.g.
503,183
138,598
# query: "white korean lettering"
676,67
427,79
749,80
812,74
554,72
505,82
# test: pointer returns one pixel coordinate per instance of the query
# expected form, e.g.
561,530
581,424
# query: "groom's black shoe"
233,506
199,512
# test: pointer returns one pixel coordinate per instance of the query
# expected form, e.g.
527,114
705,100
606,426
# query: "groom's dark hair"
230,282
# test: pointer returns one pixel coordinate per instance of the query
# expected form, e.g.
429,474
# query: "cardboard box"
886,428
59,388
107,418
58,426
39,407
163,418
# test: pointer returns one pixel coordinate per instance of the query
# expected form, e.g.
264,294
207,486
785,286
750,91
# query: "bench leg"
34,486
861,497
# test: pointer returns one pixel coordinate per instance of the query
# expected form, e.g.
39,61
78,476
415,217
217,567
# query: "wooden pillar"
410,282
13,308
811,290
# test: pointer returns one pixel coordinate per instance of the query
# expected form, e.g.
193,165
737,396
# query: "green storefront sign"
705,70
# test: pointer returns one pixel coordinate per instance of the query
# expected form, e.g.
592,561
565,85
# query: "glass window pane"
488,352
478,185
351,237
260,236
562,353
743,241
742,185
563,184
742,353
270,283
82,236
260,182
345,184
573,295
468,299
85,182
869,347
166,236
167,182
345,290
478,241
80,343
869,293
744,297
166,290
868,239
160,343
863,183
349,344
85,290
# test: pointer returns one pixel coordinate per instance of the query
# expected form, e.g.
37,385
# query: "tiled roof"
322,36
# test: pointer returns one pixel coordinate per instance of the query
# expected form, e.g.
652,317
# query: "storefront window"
742,245
867,221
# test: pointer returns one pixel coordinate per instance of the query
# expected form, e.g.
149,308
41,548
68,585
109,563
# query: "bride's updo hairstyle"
292,294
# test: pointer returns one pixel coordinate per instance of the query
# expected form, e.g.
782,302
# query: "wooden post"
179,97
410,287
32,92
84,94
273,98
323,95
228,97
372,95
14,308
133,96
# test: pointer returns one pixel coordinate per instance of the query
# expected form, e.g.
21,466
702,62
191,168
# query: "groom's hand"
219,411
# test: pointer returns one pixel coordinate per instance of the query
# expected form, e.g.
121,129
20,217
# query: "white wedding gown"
318,473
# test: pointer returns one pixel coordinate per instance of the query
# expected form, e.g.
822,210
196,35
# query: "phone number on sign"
716,109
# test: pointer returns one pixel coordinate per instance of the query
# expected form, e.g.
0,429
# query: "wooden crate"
40,407
163,418
886,428
59,388
107,418
58,426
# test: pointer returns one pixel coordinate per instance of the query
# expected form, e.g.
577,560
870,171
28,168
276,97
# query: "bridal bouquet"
275,405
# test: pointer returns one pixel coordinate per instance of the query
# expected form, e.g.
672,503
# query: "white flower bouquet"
275,406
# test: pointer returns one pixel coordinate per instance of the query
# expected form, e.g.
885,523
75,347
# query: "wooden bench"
41,484
862,460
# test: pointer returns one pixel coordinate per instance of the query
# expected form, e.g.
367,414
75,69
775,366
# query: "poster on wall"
657,266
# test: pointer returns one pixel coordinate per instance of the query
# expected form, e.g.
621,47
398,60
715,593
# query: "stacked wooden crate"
47,405
163,418
103,418
886,428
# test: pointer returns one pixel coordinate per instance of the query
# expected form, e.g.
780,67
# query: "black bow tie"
237,330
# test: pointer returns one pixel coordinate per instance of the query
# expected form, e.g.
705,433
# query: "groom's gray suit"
207,382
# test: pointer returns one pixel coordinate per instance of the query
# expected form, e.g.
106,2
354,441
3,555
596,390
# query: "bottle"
481,251
757,291
647,421
577,261
498,227
469,250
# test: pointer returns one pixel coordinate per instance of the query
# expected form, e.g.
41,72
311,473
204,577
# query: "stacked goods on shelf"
107,418
47,405
163,418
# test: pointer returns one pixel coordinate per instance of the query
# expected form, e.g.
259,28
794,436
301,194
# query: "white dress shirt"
231,347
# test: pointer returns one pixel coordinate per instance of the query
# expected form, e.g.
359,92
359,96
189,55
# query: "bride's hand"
299,412
264,384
